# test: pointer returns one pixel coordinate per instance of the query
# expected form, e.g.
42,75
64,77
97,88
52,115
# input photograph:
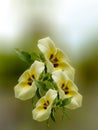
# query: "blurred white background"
68,20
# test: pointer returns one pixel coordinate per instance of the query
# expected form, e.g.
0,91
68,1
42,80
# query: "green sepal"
47,76
49,84
38,93
42,57
66,101
41,85
52,114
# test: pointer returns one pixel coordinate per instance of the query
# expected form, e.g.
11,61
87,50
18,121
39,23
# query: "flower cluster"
49,81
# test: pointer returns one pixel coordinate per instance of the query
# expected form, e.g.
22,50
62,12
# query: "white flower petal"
40,113
76,102
24,91
61,55
46,46
69,70
62,81
59,76
49,65
24,77
36,69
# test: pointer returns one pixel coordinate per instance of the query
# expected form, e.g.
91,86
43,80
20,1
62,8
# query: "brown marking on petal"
29,79
66,88
63,85
55,65
45,105
33,76
30,83
55,59
66,92
51,56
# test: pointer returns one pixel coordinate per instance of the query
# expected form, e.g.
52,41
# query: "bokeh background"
73,25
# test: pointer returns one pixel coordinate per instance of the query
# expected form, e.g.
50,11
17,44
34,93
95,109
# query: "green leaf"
58,102
35,56
66,101
52,115
46,76
38,93
24,56
42,57
41,85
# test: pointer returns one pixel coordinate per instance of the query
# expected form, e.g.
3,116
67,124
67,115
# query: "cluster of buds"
49,82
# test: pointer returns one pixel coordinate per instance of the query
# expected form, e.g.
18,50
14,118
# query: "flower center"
46,104
30,80
65,88
54,60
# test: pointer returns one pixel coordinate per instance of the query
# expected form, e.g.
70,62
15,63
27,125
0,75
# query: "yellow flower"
44,105
26,87
67,89
55,58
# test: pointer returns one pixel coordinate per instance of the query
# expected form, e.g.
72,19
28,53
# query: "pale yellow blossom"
67,89
56,59
44,106
26,88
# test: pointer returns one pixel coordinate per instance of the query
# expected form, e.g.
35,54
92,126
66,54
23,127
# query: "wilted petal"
44,105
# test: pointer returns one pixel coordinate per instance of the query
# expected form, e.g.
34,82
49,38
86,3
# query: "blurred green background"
73,26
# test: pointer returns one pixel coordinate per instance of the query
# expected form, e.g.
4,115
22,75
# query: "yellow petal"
65,66
61,56
24,77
